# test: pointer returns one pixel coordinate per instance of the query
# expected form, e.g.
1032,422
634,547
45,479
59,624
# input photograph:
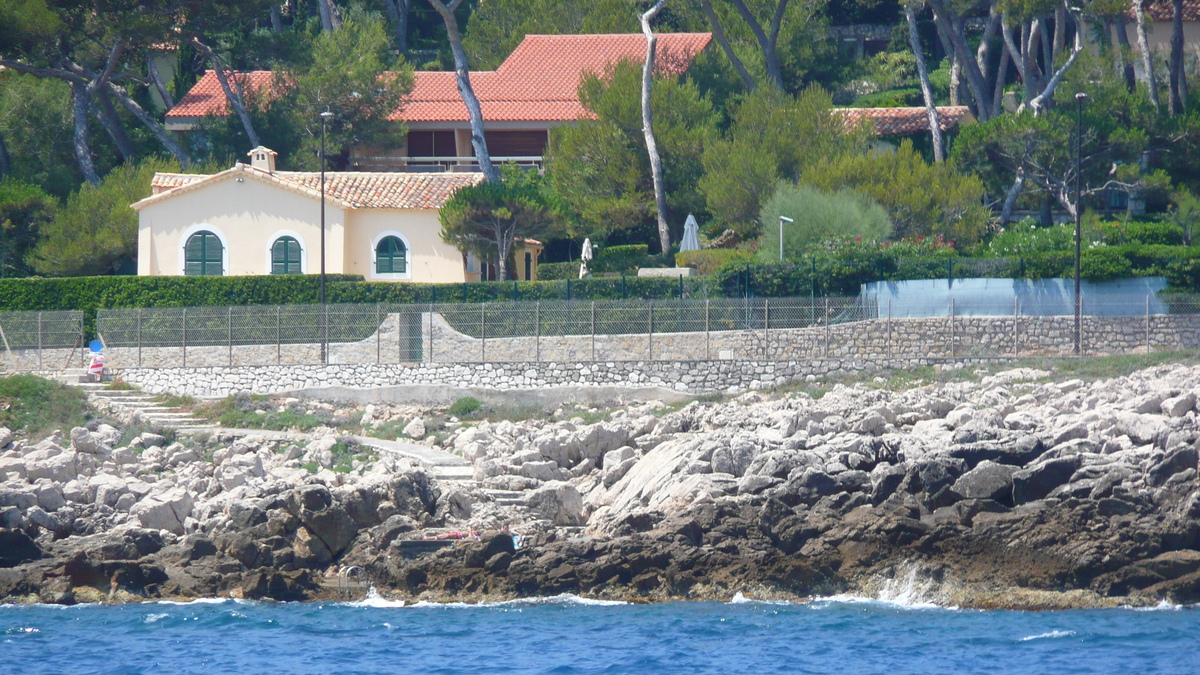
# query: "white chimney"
263,158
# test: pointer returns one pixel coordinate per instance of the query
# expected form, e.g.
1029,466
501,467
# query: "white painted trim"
187,234
373,275
303,249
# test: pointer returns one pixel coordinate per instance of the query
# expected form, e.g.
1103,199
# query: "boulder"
1178,406
6,436
166,511
415,428
615,471
547,470
1038,481
988,480
84,441
1175,462
558,502
17,548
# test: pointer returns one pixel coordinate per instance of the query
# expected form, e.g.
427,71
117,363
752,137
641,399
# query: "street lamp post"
782,220
325,117
1079,97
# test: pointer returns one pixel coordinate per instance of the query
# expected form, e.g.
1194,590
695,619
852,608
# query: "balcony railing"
436,164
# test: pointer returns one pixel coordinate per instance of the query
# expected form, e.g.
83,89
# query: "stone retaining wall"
686,376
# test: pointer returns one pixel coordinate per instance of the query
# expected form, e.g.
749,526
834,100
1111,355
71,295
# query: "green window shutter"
391,257
285,256
203,255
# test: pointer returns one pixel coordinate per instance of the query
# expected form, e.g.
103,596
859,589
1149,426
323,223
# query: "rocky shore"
1020,489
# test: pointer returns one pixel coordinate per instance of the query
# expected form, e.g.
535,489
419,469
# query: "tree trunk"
1060,34
463,73
1017,54
331,18
955,81
276,20
233,93
719,33
766,42
105,112
80,103
955,29
159,85
5,160
398,14
1125,52
163,136
935,127
1010,199
998,89
1047,94
1177,74
656,171
1139,13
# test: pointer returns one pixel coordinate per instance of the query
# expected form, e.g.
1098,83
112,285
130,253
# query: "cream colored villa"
252,219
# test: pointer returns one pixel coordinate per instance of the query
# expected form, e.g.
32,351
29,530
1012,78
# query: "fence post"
278,336
593,330
766,326
229,327
826,327
139,336
568,289
379,335
183,320
889,329
680,286
1016,326
537,327
1147,324
483,333
953,340
707,352
651,334
39,340
431,329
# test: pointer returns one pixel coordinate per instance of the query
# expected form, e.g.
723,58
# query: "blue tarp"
996,297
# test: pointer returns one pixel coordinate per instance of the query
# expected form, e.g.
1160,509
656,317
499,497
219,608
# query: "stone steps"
152,411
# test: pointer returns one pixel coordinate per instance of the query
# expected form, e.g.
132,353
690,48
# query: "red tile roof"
351,189
904,121
1164,10
538,82
207,98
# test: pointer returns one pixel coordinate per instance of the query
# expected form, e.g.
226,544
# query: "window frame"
203,229
271,251
374,272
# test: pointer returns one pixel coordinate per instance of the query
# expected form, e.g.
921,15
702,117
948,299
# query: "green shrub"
1026,238
621,258
556,271
1104,263
464,406
38,406
708,261
818,216
1148,233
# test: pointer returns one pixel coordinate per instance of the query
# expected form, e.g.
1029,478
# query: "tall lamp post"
782,220
325,117
1079,97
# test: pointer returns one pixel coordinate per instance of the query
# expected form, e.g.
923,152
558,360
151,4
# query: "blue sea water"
566,635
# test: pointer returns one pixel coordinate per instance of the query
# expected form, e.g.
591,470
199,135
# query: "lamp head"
785,219
1080,96
326,116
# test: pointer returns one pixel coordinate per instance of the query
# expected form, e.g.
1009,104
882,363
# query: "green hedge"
710,260
557,271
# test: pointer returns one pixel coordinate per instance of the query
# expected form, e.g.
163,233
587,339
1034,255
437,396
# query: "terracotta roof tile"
903,121
353,189
207,98
538,82
1163,10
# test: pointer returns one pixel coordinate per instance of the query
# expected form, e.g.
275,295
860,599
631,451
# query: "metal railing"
438,164
630,330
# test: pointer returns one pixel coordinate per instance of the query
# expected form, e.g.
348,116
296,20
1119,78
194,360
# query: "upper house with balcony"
533,91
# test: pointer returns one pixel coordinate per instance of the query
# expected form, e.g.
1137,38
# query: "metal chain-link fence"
633,330
41,340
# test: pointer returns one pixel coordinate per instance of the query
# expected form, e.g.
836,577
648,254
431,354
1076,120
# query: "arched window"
203,255
285,256
390,256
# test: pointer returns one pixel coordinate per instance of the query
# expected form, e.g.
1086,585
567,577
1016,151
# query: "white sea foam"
154,618
1162,606
1048,636
200,601
847,599
740,599
376,601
